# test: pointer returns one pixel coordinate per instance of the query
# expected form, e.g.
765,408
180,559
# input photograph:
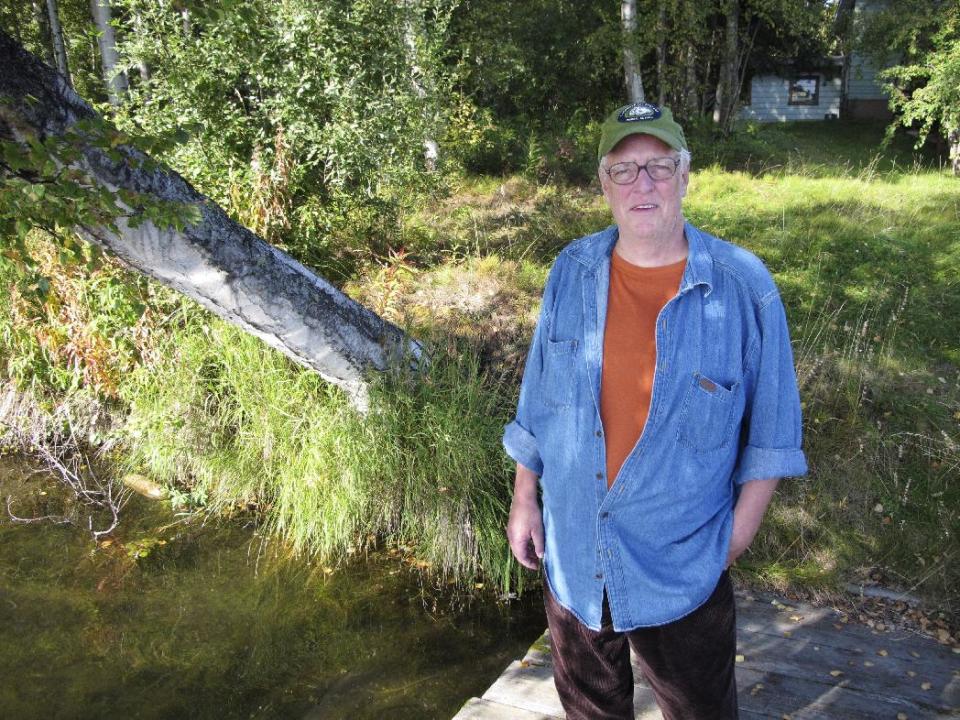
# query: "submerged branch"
56,443
58,519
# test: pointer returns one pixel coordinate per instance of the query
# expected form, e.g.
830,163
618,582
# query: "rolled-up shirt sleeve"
771,437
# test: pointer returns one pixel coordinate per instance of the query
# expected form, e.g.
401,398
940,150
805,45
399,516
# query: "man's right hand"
525,525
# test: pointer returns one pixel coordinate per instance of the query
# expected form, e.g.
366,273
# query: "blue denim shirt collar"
699,270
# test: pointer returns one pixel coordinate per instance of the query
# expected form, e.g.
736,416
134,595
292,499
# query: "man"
658,408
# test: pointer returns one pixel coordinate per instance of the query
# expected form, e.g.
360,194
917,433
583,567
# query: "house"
836,87
828,92
807,94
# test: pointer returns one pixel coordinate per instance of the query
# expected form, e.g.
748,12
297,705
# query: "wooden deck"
794,663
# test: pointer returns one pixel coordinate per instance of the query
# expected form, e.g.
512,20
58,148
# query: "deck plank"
798,662
480,709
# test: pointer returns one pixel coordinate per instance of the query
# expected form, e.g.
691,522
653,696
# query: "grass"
235,427
864,243
865,246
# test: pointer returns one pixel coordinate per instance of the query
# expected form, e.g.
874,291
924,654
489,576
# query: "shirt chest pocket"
710,413
558,373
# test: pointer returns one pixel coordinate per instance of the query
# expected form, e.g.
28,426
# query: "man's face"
645,210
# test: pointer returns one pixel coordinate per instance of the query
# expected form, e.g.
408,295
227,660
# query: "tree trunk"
138,27
218,263
726,100
631,64
413,30
59,48
662,36
43,23
843,31
116,82
691,97
954,139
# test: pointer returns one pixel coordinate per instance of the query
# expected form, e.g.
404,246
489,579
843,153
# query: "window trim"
813,100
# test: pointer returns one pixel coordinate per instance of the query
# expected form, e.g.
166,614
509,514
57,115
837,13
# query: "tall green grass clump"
867,262
232,424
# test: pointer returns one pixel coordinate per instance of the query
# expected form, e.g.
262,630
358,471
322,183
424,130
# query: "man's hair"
684,155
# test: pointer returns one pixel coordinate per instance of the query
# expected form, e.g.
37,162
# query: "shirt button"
599,433
604,515
599,476
599,576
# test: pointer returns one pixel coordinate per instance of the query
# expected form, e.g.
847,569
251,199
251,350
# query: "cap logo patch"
638,112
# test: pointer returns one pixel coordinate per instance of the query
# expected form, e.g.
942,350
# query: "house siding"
770,100
865,97
863,84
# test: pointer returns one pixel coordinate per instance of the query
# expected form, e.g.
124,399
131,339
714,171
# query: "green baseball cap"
640,118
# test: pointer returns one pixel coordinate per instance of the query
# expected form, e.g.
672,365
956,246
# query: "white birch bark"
115,81
662,35
412,29
59,47
631,64
43,23
218,263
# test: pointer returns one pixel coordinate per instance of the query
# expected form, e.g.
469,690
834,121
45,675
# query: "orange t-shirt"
637,294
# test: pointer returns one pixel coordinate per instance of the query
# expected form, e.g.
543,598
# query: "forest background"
431,157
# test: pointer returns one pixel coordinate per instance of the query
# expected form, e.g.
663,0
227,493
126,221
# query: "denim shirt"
724,410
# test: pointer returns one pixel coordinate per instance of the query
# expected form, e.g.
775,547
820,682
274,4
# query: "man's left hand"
755,496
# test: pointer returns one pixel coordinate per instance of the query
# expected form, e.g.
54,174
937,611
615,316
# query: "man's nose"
644,182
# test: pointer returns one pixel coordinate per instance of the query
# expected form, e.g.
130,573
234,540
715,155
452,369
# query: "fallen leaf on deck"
926,685
836,673
882,653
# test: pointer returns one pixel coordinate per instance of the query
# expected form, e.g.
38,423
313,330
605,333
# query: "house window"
805,90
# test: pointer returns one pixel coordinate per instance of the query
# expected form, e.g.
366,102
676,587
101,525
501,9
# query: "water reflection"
173,619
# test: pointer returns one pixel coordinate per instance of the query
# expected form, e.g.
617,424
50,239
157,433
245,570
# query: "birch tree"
631,62
59,46
115,81
59,153
414,37
40,16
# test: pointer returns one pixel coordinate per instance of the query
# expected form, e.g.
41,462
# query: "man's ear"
601,176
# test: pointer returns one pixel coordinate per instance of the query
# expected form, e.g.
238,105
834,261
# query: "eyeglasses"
625,173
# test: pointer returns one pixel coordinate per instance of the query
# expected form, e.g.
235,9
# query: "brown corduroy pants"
689,663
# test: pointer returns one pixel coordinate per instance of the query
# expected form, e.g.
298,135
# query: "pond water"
170,618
